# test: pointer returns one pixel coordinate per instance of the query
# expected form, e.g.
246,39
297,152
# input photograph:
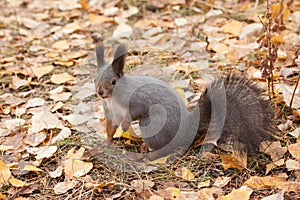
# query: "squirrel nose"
100,92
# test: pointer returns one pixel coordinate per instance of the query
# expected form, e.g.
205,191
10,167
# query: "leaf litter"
49,112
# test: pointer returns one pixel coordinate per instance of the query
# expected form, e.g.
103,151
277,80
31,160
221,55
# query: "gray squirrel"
231,110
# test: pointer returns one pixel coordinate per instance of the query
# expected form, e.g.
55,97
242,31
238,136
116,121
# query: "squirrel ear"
119,60
100,55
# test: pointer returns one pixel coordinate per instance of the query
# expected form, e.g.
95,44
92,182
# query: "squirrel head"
109,73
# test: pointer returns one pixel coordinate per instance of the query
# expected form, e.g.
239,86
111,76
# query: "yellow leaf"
256,182
32,168
129,134
5,173
77,168
242,193
294,150
63,187
175,192
61,78
16,182
75,154
2,196
42,70
187,174
5,147
277,39
233,27
67,63
234,161
98,19
275,11
53,55
61,45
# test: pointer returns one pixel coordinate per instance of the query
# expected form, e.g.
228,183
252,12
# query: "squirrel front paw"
125,125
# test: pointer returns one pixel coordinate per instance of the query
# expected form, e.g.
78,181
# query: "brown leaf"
256,182
232,27
61,45
276,151
77,168
141,185
221,181
35,139
63,187
242,193
234,161
61,78
184,173
294,150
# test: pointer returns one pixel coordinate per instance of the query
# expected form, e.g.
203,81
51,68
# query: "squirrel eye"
113,82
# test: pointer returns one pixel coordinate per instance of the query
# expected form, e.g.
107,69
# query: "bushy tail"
234,112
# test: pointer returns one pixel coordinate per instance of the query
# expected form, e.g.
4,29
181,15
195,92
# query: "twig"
291,103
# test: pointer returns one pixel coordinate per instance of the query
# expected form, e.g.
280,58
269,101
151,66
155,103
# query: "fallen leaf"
203,184
42,70
209,193
61,78
61,45
294,150
242,193
35,102
273,165
44,120
122,31
57,172
184,173
35,139
256,182
156,197
221,181
12,124
290,186
16,182
276,151
5,173
292,164
77,119
5,147
277,39
30,23
63,187
61,96
276,196
98,19
174,192
141,185
63,134
32,168
277,11
45,152
57,106
234,161
77,168
73,154
17,82
232,27
71,28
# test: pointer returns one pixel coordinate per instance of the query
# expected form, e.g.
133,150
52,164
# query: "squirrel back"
234,112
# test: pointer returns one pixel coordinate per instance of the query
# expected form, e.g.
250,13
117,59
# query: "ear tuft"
119,60
100,55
